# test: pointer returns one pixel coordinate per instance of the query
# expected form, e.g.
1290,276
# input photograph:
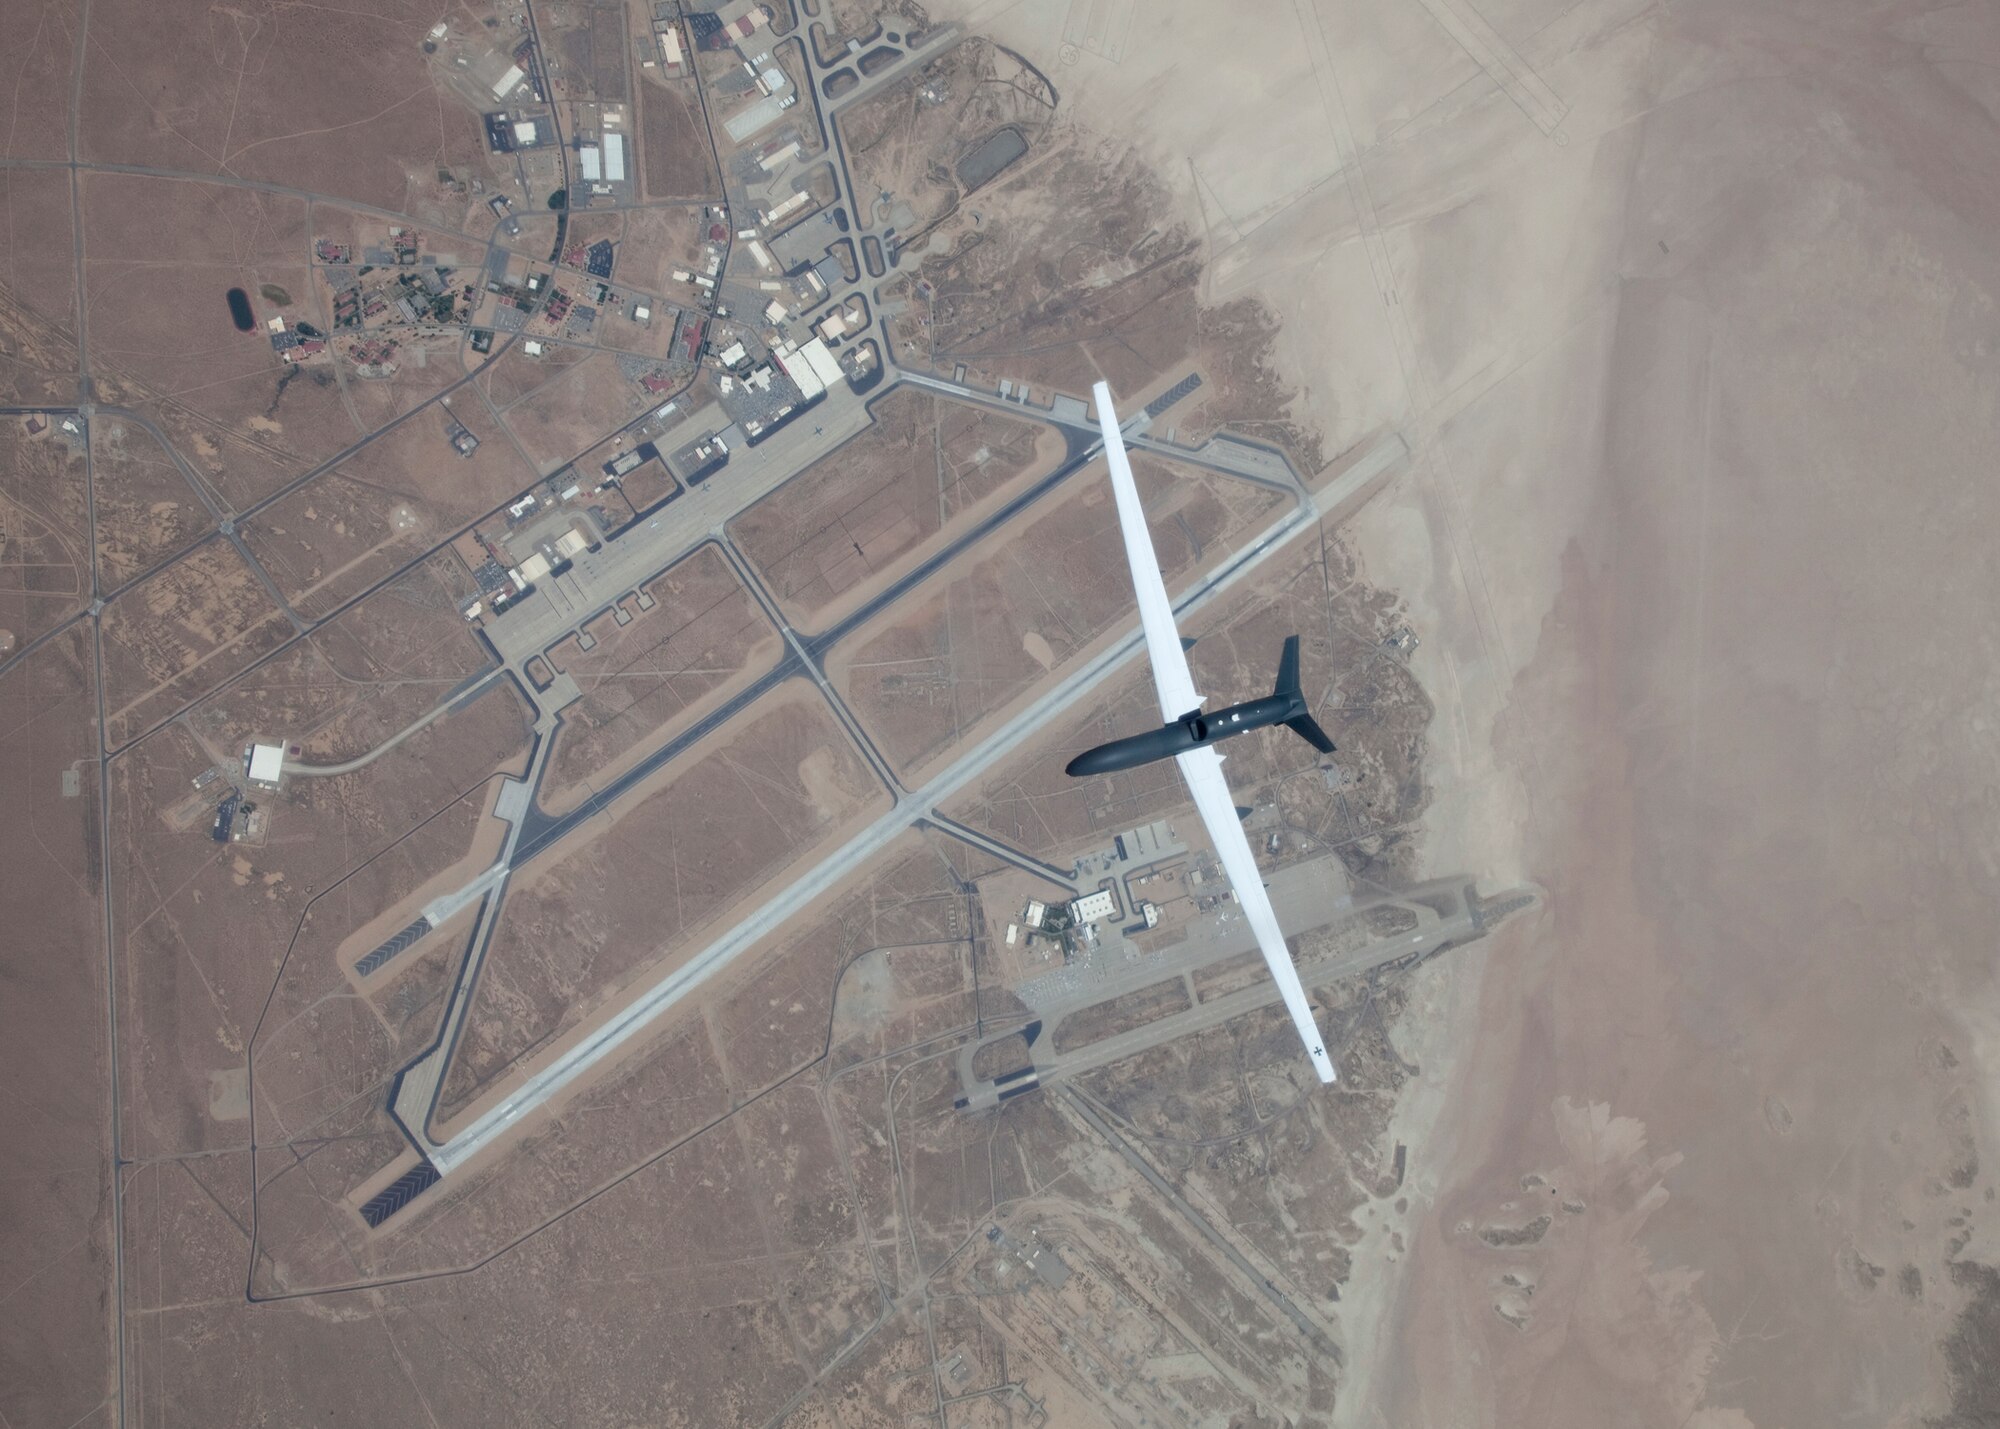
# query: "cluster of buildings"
515,131
602,163
596,259
522,76
461,438
778,363
540,536
667,35
374,356
745,27
1076,919
237,818
1136,858
395,282
295,344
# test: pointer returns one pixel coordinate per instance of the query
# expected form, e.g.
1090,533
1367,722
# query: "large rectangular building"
755,119
1094,907
811,366
266,764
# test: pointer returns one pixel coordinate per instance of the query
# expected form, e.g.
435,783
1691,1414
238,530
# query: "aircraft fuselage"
1191,731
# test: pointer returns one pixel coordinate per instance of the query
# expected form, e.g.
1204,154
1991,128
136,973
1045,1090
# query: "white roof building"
267,763
776,160
800,371
614,158
823,363
1094,907
593,169
748,122
504,86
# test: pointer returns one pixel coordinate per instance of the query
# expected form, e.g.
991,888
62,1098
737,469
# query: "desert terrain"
1673,525
544,887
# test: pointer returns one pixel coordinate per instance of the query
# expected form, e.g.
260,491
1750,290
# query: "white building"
787,208
1094,907
811,365
267,764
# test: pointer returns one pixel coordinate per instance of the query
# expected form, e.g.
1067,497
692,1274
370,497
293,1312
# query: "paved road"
457,700
1005,852
856,733
882,79
413,1097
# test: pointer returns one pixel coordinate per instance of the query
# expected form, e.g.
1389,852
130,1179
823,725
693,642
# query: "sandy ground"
1699,370
1686,314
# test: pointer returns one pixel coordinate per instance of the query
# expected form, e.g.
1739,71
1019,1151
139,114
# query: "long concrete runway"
612,1036
609,1038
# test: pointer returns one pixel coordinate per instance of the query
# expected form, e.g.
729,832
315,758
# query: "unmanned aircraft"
1190,736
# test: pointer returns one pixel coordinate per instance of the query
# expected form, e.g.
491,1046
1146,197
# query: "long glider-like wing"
1156,613
1202,768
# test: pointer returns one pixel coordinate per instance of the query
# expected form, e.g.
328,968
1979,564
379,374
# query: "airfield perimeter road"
611,1036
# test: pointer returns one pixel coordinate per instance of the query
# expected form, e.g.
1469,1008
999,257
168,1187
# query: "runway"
608,1038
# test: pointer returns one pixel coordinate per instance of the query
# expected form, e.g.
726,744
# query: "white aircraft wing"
1156,613
1202,768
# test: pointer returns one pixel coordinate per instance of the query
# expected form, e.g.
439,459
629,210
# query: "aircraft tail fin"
1305,726
1288,668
